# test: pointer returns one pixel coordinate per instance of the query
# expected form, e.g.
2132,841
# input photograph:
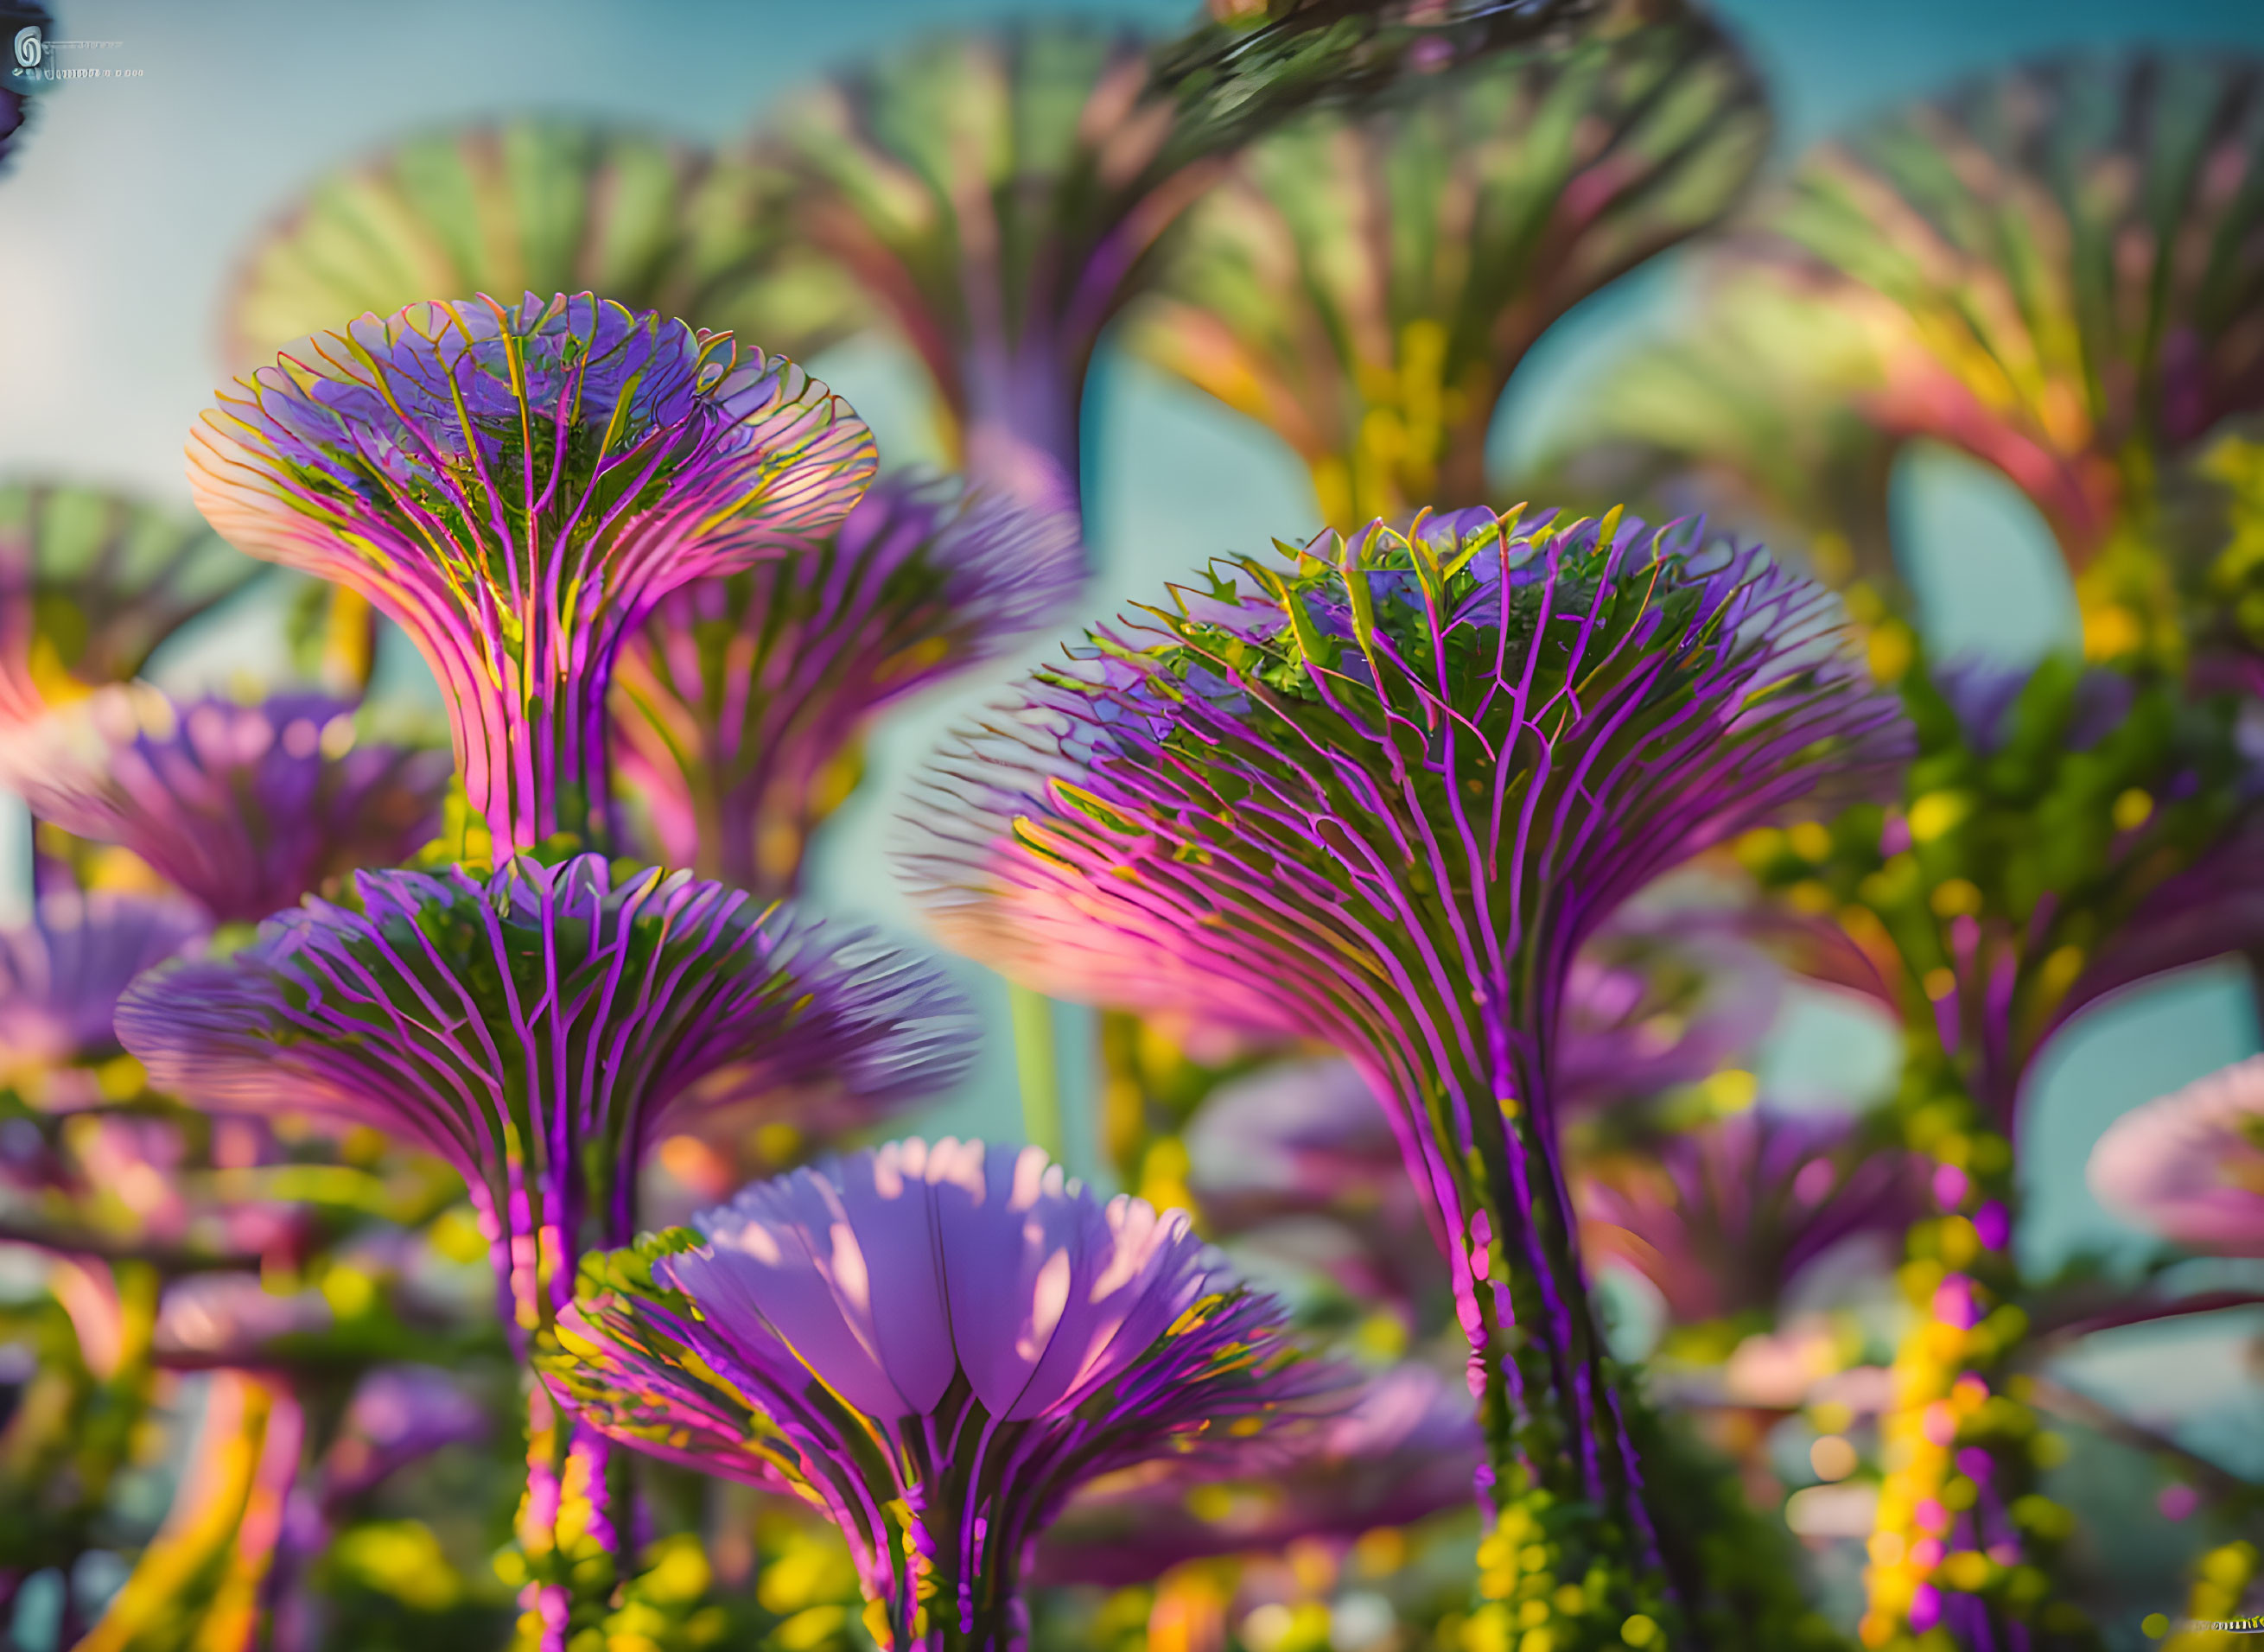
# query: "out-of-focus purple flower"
61,978
1983,694
516,485
1724,1218
91,582
1271,1153
244,809
740,707
936,1346
1378,793
2190,1166
1408,1448
231,1319
398,1414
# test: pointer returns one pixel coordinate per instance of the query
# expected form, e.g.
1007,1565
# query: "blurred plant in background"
1441,881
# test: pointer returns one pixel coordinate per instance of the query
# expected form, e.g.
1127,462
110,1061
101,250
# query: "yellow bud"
1810,896
1937,814
1966,1569
1955,897
1731,1091
349,1291
1890,650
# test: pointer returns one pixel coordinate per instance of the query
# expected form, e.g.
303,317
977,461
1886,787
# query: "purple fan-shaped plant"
742,703
1723,1218
2190,1166
397,1415
935,1345
244,809
537,1029
1376,793
60,977
516,486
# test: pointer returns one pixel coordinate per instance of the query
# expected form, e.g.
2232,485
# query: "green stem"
1037,1067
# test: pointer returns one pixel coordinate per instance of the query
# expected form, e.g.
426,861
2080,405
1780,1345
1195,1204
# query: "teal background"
130,198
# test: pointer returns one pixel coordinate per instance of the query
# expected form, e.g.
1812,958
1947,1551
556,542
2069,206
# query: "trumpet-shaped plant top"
1417,758
538,203
995,194
516,486
1368,276
740,705
244,809
537,1029
1755,414
2063,831
1251,60
2190,1166
2064,251
935,1344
